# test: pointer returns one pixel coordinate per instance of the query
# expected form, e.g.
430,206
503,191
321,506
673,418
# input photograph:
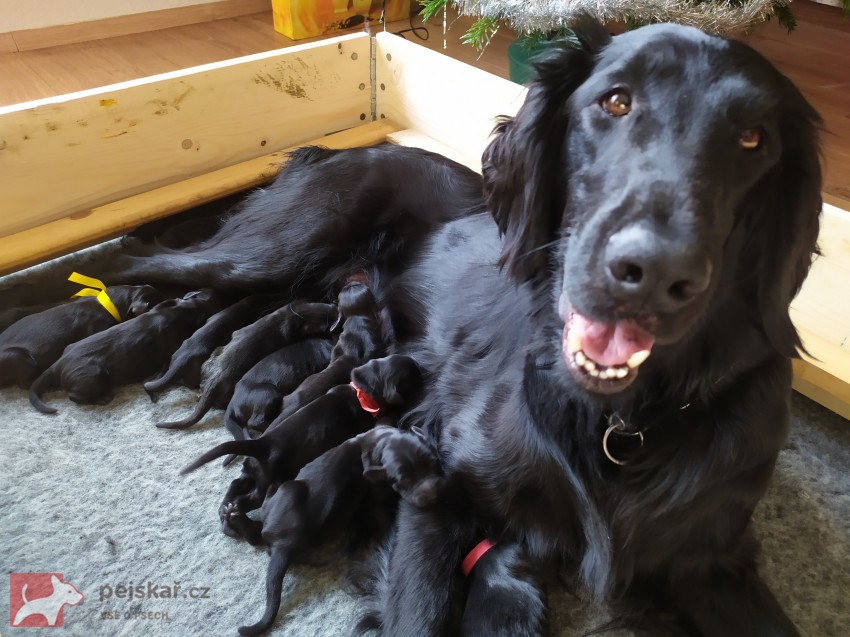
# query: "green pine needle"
430,8
481,32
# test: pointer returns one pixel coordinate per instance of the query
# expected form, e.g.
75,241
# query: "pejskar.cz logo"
37,600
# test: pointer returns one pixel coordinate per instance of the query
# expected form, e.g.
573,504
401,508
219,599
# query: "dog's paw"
228,511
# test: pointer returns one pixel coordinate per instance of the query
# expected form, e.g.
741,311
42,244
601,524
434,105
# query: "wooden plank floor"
816,56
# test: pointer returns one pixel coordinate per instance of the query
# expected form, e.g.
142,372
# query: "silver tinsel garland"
527,16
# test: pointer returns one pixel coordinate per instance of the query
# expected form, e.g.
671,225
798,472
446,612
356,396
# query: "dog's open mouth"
604,357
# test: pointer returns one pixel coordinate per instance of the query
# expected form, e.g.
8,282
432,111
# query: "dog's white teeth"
599,371
637,358
573,342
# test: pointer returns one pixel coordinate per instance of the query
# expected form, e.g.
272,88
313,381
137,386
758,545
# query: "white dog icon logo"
50,606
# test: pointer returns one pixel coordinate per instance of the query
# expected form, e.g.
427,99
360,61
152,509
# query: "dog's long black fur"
658,190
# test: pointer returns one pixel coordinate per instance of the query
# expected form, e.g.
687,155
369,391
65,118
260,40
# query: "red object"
38,600
474,555
366,401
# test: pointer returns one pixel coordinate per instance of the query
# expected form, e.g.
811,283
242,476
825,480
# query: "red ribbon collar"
474,555
366,401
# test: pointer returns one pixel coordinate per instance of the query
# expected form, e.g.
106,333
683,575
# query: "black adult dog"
657,198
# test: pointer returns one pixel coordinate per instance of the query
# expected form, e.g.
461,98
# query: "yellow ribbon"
97,289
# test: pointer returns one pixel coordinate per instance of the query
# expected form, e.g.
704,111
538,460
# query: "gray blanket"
93,494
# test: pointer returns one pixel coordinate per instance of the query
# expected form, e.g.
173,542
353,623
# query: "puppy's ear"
786,208
375,474
524,166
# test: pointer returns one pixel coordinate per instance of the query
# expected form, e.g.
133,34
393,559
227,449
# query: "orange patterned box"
299,19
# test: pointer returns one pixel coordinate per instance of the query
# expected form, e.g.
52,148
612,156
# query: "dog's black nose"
654,273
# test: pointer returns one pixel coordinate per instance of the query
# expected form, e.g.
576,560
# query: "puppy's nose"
653,272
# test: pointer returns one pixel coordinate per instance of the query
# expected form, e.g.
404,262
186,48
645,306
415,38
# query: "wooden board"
117,218
451,102
821,313
75,152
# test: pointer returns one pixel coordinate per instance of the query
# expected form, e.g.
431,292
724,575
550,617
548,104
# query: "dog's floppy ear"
523,167
787,202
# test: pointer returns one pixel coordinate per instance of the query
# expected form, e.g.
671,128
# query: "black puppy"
35,342
291,442
318,505
257,398
384,387
249,345
126,353
185,365
15,314
361,340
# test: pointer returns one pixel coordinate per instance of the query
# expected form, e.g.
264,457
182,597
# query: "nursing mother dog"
603,319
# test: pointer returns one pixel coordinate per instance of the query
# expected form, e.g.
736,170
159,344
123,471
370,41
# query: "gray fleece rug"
93,494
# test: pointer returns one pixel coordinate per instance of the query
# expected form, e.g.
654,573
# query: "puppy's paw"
228,510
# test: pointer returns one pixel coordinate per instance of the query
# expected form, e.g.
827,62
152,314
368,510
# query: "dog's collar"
618,427
475,554
366,401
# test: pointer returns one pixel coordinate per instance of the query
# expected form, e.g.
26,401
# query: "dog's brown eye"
617,103
750,139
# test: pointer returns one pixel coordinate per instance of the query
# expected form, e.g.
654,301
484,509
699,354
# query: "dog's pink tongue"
610,343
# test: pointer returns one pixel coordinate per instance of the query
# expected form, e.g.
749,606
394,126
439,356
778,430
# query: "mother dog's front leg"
423,569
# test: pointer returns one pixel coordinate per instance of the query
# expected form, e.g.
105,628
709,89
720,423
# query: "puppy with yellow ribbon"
126,353
33,343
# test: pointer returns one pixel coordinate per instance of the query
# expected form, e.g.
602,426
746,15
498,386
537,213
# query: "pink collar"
366,401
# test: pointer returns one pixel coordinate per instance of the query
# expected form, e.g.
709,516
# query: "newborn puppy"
126,353
406,460
185,365
256,400
291,442
250,345
360,340
15,314
35,342
320,503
